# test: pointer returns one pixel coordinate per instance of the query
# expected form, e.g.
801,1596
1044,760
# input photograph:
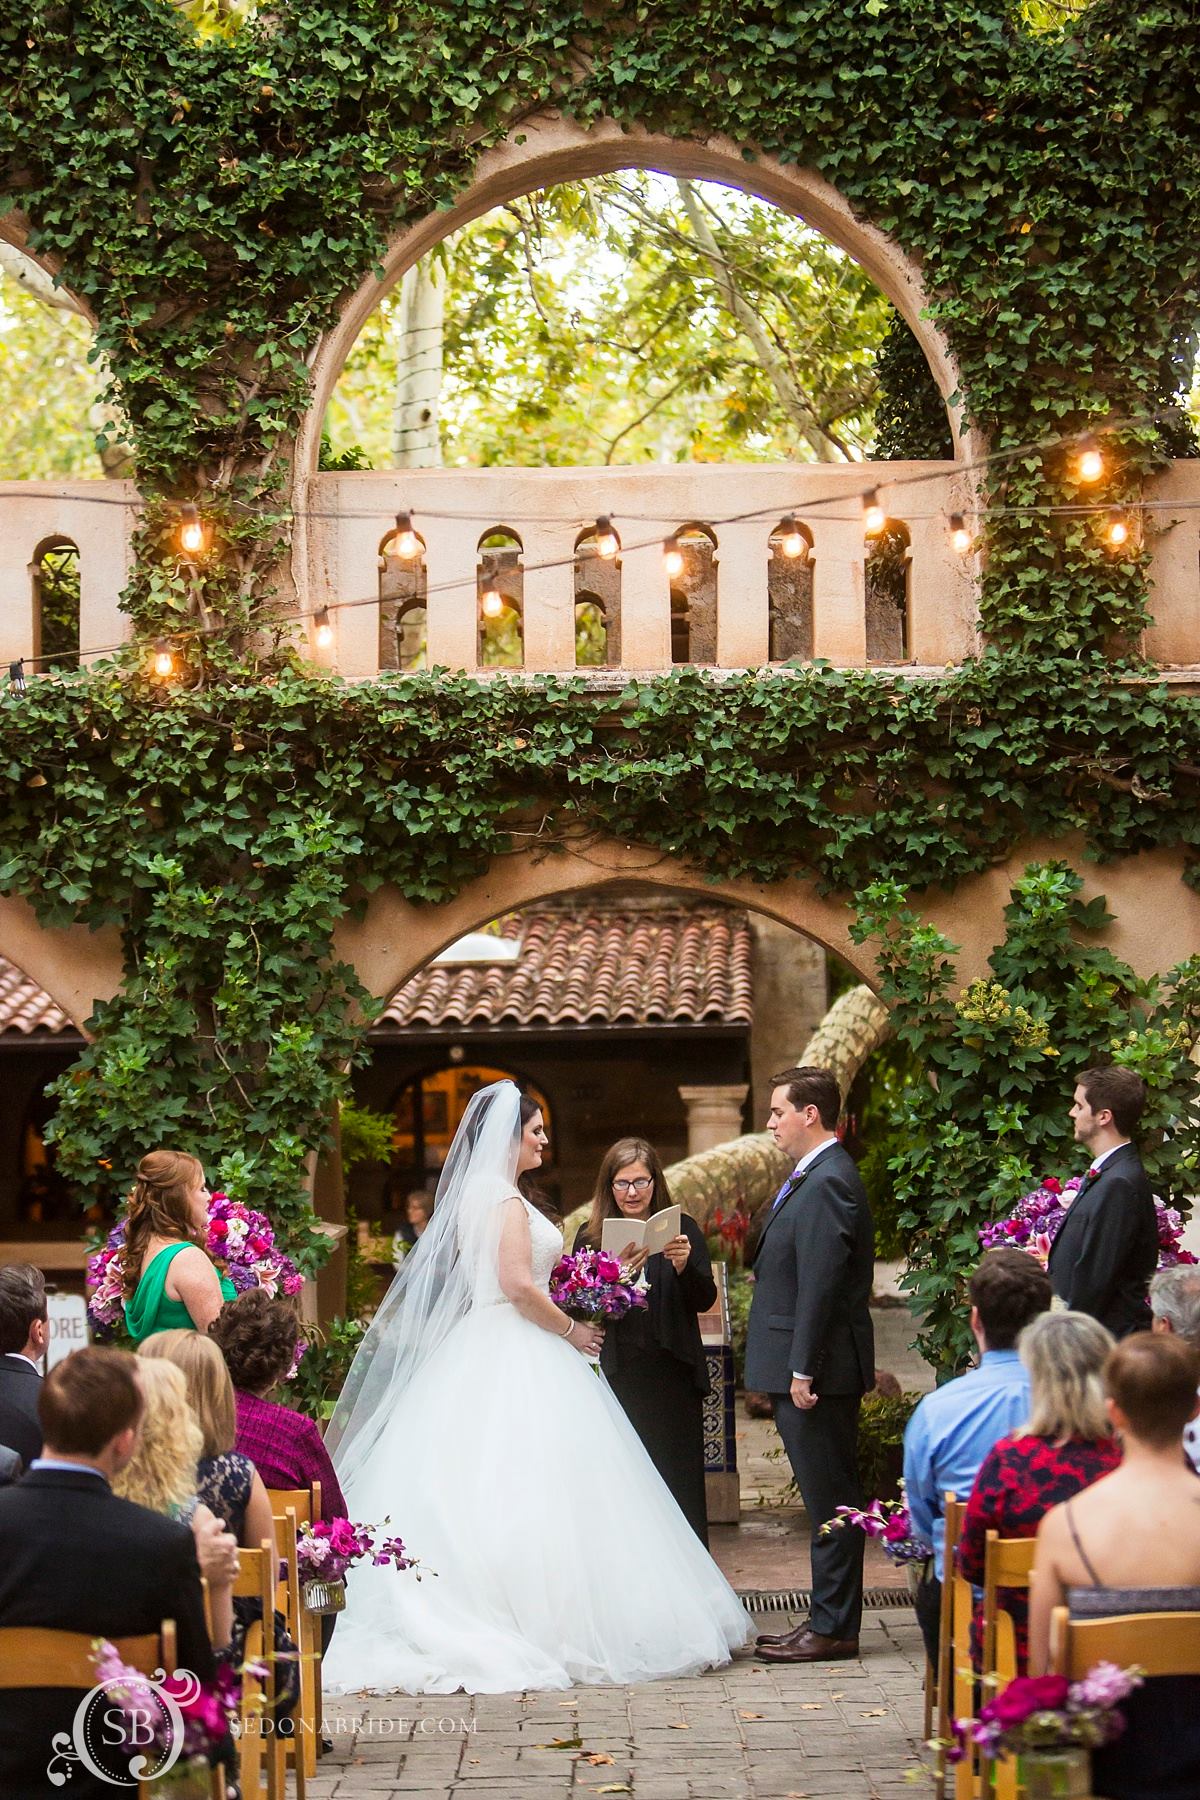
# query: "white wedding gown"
551,1552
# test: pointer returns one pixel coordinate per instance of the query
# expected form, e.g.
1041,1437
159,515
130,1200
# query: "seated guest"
1130,1543
418,1210
226,1480
169,1279
1065,1445
24,1334
75,1557
257,1335
953,1428
1175,1305
161,1475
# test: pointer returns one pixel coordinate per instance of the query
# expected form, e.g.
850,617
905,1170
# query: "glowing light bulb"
164,662
191,531
607,543
792,540
960,537
672,557
492,602
1117,532
1090,466
874,517
323,629
406,543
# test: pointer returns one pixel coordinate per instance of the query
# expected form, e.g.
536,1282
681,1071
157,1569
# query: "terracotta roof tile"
595,965
27,1009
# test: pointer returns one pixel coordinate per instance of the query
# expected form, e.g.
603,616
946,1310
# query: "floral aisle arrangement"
174,1727
591,1284
240,1242
1051,1724
1036,1220
887,1520
328,1550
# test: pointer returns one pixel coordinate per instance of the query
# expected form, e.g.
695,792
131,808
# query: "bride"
550,1550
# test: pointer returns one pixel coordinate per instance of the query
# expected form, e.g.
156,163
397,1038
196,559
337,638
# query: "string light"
1090,465
164,662
874,517
406,543
1116,531
491,600
323,628
191,531
791,541
607,542
960,537
672,556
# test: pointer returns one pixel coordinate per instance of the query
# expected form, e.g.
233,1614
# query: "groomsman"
24,1334
810,1345
1107,1246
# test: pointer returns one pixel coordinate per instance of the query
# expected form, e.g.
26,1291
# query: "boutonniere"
1093,1172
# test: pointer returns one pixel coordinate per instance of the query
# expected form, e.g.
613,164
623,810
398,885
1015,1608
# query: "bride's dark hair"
533,1193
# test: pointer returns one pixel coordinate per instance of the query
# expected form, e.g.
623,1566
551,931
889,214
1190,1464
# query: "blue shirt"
952,1431
67,1468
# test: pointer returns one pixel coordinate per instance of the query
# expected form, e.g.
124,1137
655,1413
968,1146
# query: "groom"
810,1345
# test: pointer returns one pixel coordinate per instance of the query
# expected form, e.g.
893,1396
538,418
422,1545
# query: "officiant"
654,1359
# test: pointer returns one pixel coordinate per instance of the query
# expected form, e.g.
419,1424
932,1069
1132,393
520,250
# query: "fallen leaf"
615,1787
571,1743
676,1726
596,1758
878,1712
837,1696
749,1715
811,1706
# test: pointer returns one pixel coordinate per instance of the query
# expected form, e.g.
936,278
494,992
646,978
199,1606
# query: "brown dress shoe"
808,1646
784,1637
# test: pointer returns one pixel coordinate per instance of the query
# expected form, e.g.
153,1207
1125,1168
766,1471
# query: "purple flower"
1104,1685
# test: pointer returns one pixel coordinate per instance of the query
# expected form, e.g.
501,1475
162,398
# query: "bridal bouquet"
240,1241
887,1520
1036,1220
592,1286
1040,1715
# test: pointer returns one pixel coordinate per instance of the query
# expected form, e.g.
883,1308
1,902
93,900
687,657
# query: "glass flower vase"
1055,1775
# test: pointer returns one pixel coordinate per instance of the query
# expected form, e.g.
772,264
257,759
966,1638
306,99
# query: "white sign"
68,1326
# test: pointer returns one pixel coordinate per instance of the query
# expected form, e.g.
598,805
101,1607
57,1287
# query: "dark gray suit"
20,1427
811,1316
1106,1250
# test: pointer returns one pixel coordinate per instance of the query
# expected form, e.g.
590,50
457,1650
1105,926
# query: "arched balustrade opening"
597,600
55,575
500,579
694,595
403,602
887,573
790,578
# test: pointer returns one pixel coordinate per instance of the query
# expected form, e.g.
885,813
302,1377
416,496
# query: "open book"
653,1232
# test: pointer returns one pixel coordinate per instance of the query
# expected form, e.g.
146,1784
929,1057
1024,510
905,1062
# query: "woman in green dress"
170,1281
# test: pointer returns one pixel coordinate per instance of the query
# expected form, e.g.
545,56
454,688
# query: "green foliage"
881,1423
874,1101
910,414
366,1135
1002,1059
315,1386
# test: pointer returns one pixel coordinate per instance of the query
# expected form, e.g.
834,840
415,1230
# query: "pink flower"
1026,1695
1052,1184
608,1268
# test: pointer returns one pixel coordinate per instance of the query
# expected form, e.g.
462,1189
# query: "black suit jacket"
810,1314
673,1306
1107,1247
75,1557
20,1427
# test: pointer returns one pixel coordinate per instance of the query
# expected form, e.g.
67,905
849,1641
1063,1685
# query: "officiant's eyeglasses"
637,1186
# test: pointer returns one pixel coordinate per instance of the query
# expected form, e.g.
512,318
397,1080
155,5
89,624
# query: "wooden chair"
305,1627
955,1676
1159,1643
260,1748
1007,1563
39,1657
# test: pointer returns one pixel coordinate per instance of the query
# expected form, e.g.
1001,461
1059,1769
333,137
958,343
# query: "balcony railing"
769,564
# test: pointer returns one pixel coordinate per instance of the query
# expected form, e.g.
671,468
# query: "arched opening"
403,600
427,1110
592,637
551,150
790,576
887,571
500,579
55,576
597,597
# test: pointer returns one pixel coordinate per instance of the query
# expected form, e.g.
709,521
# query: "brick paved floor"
753,1731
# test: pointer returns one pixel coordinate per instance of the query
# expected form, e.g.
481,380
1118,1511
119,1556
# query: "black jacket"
75,1557
20,1427
813,1272
1106,1250
675,1302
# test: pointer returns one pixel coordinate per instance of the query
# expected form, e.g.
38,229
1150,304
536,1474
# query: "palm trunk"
416,438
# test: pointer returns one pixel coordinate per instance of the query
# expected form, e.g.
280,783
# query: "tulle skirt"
551,1552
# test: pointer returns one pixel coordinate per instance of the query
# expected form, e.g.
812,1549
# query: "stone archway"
550,149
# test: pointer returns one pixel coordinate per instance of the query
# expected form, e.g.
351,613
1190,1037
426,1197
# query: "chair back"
35,1656
300,1501
1159,1643
1007,1563
952,1512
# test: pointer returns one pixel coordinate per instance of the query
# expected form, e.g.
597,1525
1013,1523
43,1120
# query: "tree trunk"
416,439
749,1171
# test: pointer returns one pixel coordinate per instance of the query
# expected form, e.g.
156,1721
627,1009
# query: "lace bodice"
546,1245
